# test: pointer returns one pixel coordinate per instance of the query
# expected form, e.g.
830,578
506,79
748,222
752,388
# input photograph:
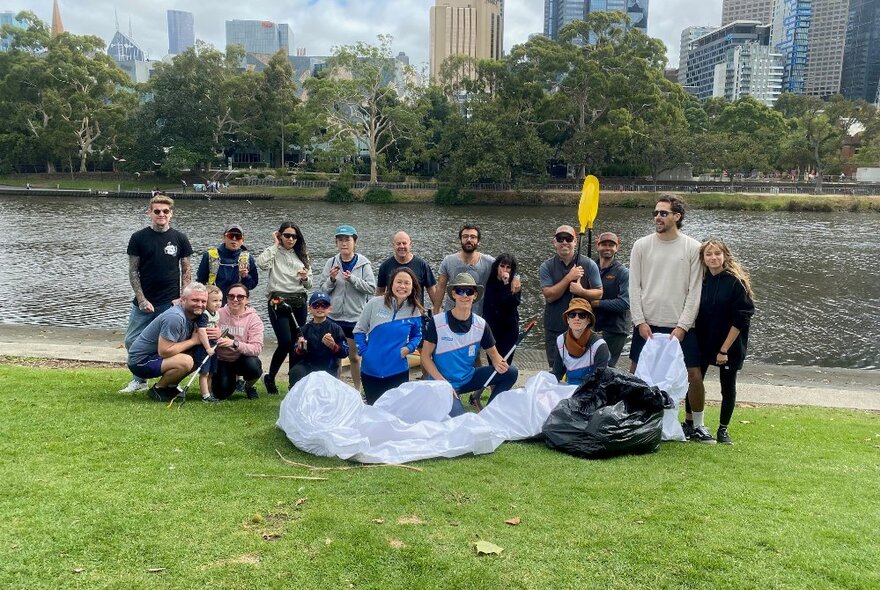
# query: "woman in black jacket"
726,309
502,299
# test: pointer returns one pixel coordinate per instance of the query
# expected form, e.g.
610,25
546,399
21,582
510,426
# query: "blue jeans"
502,383
137,321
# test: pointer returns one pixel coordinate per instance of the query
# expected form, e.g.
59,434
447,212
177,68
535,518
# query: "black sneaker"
162,394
269,382
723,437
701,435
210,399
239,385
251,392
688,429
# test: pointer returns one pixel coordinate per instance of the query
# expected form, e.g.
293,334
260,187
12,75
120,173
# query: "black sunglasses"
236,297
161,211
465,291
577,314
289,236
564,238
663,214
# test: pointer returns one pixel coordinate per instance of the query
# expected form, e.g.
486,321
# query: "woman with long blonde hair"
726,309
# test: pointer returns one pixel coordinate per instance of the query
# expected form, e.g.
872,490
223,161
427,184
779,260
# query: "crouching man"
451,343
164,348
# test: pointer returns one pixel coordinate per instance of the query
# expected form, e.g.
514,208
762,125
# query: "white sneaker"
133,386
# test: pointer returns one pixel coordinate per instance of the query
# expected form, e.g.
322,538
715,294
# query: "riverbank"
758,383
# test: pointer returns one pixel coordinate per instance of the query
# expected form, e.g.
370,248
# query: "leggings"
728,393
374,387
286,332
249,367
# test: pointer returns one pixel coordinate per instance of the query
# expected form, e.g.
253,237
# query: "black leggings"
286,332
249,367
728,393
374,387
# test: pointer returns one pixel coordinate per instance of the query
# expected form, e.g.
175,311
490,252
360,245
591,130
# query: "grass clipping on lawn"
107,490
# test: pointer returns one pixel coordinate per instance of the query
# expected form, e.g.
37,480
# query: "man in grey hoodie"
348,278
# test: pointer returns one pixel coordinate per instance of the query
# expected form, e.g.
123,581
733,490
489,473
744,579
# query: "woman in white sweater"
290,278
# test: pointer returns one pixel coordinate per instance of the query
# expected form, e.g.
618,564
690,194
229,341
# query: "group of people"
675,286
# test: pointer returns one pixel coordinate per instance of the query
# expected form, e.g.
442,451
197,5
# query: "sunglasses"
161,211
577,314
564,238
465,291
663,214
236,297
320,305
233,236
289,236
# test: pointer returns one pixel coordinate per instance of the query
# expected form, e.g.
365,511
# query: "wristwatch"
235,345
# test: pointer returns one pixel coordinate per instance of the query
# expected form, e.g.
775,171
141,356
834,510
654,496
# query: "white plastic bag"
519,414
661,363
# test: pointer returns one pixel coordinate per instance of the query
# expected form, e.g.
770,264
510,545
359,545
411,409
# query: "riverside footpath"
759,384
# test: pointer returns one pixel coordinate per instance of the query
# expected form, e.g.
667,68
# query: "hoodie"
283,264
349,297
247,329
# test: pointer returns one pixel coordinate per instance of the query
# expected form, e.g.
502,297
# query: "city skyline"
319,25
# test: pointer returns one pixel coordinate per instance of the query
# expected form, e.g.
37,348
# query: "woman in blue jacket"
389,329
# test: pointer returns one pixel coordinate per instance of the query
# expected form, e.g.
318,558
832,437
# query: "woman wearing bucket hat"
348,278
579,351
452,341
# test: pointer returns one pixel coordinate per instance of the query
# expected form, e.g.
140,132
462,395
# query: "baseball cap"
233,227
608,237
319,296
346,230
565,229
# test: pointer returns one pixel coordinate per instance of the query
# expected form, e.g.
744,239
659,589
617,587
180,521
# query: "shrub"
452,196
339,193
378,196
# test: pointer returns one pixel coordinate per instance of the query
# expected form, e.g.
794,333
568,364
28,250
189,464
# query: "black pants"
727,377
286,332
303,368
374,387
248,367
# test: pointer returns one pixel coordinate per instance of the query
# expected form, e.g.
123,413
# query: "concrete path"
758,384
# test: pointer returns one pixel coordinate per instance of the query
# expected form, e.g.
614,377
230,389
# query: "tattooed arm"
134,277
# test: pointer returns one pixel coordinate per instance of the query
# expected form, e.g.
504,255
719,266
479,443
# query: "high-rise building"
8,18
688,35
471,28
827,42
790,36
734,61
558,13
256,36
181,31
123,48
752,10
861,58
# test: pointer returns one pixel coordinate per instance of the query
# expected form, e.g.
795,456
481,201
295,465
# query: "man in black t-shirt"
158,268
403,256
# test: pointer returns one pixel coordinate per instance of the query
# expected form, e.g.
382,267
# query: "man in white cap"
565,275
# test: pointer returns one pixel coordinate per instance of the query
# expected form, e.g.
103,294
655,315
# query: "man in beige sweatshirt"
665,281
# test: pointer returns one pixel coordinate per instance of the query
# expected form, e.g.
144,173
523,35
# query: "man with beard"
665,284
467,260
565,275
612,311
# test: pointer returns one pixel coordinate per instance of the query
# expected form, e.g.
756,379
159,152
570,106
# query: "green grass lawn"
98,489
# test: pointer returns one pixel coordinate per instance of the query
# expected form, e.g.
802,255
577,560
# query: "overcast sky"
319,25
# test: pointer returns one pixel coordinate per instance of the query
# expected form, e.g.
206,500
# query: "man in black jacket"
612,311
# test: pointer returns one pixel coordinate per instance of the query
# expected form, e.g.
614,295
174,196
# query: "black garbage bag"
612,413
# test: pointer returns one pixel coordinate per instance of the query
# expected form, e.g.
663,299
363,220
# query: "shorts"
347,328
689,346
148,368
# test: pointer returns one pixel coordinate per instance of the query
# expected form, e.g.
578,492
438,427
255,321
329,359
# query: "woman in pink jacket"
238,354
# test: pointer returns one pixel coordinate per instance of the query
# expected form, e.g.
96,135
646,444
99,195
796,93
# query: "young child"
321,343
209,319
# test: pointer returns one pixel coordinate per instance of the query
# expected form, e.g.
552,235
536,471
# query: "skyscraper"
827,42
756,10
257,36
861,58
791,37
8,18
688,35
558,13
472,28
181,32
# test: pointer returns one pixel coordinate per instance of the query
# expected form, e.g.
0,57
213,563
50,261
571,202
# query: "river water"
815,277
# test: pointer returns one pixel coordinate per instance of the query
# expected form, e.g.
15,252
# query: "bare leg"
174,369
696,394
355,364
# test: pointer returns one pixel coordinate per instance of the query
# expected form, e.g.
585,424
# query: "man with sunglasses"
158,268
229,263
665,283
453,339
565,275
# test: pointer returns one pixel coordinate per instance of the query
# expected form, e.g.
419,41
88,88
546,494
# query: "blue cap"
319,296
346,230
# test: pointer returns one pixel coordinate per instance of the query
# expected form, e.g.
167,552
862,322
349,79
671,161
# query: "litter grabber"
181,393
475,397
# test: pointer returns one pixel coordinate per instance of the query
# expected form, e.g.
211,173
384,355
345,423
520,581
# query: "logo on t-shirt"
171,249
